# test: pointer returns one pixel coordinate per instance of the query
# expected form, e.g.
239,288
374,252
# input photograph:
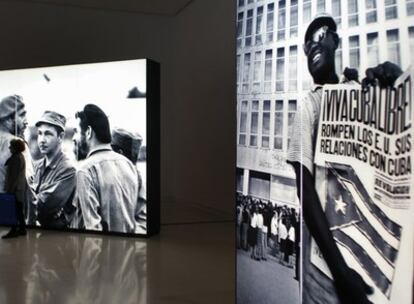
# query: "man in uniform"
54,180
321,41
107,187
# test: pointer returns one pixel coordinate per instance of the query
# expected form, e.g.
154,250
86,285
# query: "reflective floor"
186,263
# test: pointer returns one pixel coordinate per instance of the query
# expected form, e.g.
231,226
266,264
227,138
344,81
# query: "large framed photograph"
91,145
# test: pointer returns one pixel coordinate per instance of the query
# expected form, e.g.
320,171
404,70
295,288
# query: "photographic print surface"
85,133
353,239
268,210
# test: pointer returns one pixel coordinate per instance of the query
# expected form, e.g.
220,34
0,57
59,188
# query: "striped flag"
371,238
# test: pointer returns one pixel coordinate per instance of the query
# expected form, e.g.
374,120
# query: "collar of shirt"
54,162
99,148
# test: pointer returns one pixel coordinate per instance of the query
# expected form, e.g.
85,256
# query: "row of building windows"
257,25
256,74
266,123
277,189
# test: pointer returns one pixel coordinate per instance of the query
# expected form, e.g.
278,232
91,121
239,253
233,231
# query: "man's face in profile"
320,52
17,123
80,146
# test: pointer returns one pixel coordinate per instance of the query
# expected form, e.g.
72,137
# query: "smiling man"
347,286
55,177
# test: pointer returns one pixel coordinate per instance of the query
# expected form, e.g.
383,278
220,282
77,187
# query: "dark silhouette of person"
15,183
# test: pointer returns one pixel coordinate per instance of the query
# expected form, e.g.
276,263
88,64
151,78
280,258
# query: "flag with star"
360,226
340,207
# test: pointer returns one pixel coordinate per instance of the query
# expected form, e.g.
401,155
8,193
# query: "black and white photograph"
82,131
288,53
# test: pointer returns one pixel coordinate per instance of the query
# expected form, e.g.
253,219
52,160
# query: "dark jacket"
15,182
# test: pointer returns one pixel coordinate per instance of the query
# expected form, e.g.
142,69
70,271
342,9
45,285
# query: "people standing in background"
245,224
253,232
259,234
16,184
265,230
283,234
274,231
291,244
239,212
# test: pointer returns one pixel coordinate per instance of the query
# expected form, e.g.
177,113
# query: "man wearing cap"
54,180
107,187
128,144
321,41
13,123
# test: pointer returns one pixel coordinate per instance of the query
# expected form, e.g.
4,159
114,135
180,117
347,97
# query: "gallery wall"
196,52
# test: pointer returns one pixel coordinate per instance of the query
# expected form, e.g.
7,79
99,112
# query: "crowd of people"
265,229
102,191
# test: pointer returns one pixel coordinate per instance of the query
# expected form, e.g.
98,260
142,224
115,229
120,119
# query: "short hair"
17,145
58,129
94,117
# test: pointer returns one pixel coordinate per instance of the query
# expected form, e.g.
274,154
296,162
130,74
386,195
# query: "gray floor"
186,263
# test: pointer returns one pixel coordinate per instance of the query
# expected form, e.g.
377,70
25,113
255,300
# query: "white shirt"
274,225
283,234
292,234
259,221
253,221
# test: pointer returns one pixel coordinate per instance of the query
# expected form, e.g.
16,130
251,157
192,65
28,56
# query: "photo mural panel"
296,59
85,129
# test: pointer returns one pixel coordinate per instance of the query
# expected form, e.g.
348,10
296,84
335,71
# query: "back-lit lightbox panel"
92,137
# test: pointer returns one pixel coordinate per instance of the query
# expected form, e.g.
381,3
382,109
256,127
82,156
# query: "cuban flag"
359,226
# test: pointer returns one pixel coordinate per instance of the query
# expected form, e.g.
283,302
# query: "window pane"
390,9
255,105
253,140
320,6
336,11
293,20
259,25
354,52
280,69
411,37
373,52
265,141
279,105
393,46
269,23
371,11
307,13
243,120
353,12
253,128
278,143
281,20
292,105
293,66
410,7
266,124
266,105
338,58
278,123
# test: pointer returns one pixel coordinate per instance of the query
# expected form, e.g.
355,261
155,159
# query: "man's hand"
383,74
351,288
